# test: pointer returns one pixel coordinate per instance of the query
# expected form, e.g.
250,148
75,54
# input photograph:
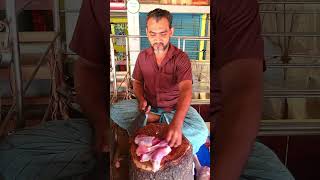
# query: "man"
163,79
237,76
70,149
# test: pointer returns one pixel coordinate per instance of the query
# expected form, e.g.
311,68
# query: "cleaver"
137,123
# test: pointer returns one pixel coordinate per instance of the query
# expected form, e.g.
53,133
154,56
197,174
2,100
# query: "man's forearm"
235,134
138,90
237,124
91,87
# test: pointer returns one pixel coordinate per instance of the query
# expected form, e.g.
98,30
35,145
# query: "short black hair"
160,13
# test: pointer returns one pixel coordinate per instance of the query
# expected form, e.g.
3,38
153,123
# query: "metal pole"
127,55
275,65
291,93
295,34
56,16
293,55
293,90
183,45
285,29
14,39
113,65
288,12
286,2
290,127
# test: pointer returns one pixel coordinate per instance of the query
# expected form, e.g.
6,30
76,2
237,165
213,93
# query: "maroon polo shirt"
160,83
236,35
90,39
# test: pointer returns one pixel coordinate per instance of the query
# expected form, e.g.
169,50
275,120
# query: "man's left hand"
174,135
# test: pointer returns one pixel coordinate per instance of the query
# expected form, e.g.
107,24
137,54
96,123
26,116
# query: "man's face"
159,34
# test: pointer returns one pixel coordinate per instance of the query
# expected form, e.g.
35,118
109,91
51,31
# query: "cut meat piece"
144,140
144,149
162,143
157,156
146,157
155,141
151,149
141,150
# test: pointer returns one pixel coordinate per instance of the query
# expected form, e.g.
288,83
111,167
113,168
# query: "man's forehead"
157,20
159,31
158,27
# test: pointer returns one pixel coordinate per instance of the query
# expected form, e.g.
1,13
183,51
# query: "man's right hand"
151,116
143,106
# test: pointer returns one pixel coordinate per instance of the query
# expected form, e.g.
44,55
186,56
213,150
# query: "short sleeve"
89,36
237,31
184,71
137,73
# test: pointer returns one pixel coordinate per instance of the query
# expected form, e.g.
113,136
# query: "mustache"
160,43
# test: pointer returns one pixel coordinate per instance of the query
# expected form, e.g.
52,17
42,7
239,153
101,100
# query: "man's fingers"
142,107
174,140
168,137
148,109
179,139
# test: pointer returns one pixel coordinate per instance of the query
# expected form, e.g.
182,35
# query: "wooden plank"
43,100
32,37
30,58
43,73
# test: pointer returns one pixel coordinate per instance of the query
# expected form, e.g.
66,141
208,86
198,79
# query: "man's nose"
158,38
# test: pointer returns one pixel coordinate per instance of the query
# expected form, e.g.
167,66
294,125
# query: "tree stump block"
177,165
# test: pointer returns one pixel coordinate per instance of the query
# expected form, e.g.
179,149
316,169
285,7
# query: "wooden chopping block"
177,165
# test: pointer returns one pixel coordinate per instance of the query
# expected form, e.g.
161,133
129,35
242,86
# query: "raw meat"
151,149
155,141
144,140
142,149
157,156
146,157
162,143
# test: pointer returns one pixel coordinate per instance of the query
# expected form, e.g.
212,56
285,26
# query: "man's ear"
172,31
147,31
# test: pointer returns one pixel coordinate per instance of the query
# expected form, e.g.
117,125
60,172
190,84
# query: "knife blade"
137,123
